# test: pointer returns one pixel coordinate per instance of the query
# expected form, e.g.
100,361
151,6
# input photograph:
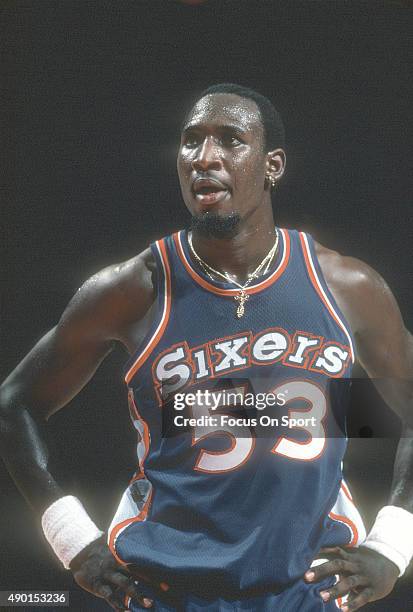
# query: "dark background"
94,95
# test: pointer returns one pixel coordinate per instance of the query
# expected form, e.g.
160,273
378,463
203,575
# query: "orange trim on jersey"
146,435
350,524
165,315
231,292
141,516
123,524
346,491
320,291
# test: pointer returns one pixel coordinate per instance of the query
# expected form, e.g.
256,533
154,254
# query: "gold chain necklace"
242,296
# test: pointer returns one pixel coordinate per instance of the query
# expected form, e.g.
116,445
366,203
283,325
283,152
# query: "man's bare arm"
386,354
102,312
384,349
110,307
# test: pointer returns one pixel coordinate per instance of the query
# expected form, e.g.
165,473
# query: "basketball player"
225,517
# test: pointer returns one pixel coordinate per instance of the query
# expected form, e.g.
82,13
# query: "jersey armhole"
318,281
162,312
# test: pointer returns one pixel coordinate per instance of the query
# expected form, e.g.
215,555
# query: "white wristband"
68,528
392,536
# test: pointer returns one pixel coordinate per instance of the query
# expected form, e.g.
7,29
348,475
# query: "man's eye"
191,142
230,141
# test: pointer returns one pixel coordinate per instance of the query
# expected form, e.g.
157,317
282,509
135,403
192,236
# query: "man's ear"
275,167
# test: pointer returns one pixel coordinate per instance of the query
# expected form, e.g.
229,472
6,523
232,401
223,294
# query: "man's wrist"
77,561
392,536
68,528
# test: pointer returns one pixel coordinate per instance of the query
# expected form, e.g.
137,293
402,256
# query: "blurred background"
94,93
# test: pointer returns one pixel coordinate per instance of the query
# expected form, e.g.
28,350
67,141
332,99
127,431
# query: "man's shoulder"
360,291
125,279
346,273
115,297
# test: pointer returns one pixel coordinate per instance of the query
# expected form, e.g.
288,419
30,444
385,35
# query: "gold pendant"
241,298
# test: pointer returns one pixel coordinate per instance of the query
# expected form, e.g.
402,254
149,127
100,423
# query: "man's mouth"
209,191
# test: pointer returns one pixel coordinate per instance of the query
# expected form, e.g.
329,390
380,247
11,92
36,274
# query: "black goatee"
211,225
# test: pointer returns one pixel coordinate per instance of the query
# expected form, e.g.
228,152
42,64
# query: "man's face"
221,161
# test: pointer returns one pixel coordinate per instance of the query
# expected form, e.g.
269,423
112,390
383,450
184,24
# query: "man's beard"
211,225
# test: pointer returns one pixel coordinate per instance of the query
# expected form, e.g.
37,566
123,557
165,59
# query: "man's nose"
207,156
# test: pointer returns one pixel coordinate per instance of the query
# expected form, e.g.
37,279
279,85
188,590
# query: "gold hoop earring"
271,179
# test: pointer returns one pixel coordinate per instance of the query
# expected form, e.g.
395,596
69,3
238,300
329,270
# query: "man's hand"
95,569
363,574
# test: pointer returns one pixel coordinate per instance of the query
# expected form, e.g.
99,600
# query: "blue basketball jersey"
241,427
